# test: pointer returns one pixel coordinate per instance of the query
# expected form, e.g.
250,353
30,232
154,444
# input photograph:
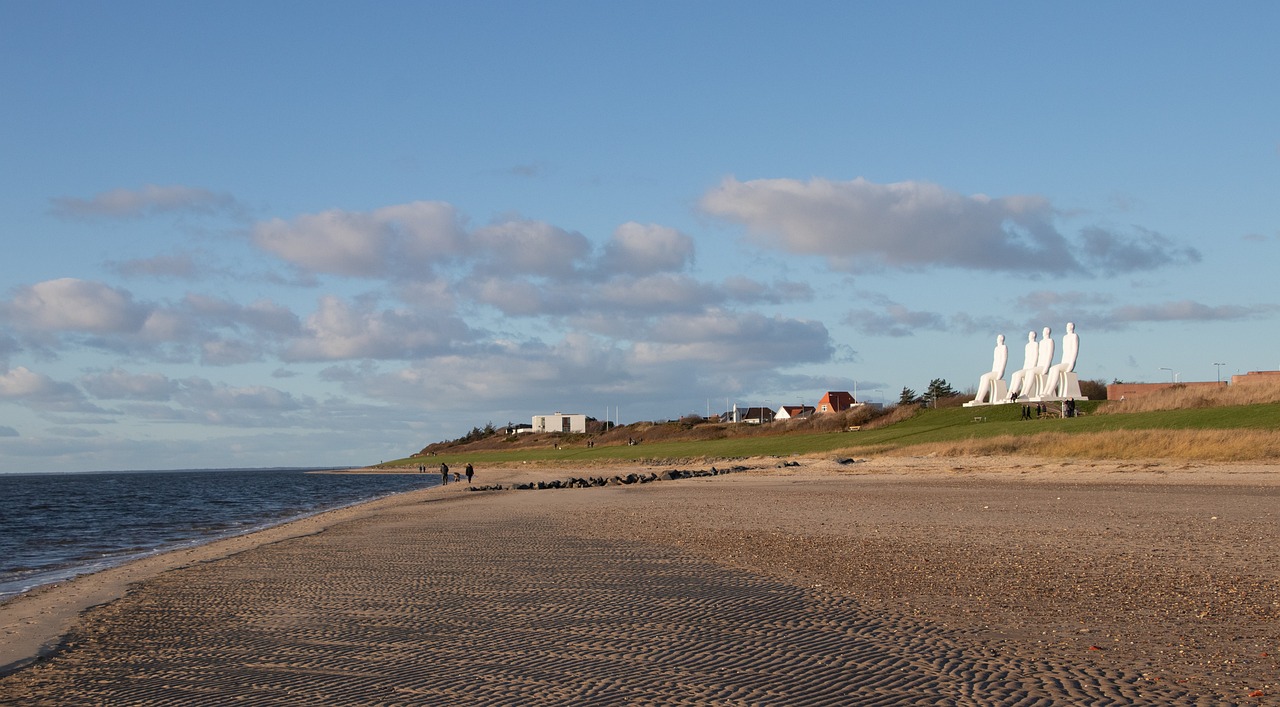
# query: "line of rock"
578,482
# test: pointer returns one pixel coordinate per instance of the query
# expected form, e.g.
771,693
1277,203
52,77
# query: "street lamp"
1170,370
1219,365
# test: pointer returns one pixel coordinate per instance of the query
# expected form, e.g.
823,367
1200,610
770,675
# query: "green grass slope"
929,426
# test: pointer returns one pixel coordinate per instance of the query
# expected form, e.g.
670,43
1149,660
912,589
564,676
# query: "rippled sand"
894,581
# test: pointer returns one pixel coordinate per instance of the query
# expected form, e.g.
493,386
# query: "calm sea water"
56,526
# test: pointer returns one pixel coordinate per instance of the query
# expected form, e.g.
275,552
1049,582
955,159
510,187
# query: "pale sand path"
890,582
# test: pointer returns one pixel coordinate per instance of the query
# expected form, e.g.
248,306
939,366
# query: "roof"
838,400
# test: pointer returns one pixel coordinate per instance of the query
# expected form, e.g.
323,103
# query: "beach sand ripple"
500,601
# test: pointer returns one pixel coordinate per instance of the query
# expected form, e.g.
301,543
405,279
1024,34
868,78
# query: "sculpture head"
1031,336
999,339
1046,332
1071,327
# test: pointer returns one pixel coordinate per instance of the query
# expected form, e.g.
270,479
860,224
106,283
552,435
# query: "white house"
559,422
787,412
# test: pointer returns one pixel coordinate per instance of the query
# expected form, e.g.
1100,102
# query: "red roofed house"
835,401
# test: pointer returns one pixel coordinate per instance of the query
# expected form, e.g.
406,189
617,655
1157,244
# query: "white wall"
556,423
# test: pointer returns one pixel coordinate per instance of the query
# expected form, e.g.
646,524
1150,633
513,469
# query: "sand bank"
890,581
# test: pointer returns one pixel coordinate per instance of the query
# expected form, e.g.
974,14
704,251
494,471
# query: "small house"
795,412
756,415
560,422
835,401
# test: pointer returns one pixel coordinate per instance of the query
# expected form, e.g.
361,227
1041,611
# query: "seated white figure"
1039,385
991,382
1018,380
1061,383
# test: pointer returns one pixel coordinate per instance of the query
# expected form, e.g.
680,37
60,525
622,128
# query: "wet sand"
889,581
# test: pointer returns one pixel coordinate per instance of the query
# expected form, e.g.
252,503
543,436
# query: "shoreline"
847,529
34,622
64,574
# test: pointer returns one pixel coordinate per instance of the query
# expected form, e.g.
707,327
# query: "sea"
56,526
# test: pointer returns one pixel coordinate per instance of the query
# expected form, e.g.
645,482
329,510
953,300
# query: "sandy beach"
881,581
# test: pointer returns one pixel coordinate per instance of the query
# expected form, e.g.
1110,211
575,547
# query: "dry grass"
1181,397
897,413
1197,445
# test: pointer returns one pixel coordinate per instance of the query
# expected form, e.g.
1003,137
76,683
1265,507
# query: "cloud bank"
860,225
149,200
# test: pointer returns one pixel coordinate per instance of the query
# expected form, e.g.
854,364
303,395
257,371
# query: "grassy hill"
1169,425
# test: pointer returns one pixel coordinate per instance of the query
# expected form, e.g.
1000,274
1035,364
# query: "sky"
247,234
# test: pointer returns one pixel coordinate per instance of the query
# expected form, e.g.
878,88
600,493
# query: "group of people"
444,473
1068,409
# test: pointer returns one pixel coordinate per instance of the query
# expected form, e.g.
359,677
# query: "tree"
908,396
1093,389
940,388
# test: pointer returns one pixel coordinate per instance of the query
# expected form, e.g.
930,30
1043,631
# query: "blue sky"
300,233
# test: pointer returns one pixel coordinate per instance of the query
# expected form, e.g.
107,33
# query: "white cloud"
201,394
656,294
395,240
338,330
894,320
118,384
181,266
196,400
229,352
645,249
528,248
261,315
1099,313
23,382
40,392
860,225
733,341
671,361
149,199
69,304
57,315
1188,310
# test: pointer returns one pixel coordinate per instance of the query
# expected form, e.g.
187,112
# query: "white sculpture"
992,382
1040,385
1018,380
1062,382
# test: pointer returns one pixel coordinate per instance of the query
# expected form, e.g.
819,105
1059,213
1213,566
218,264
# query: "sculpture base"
1070,391
1000,390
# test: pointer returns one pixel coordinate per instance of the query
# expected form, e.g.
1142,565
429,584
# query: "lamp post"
1219,365
1170,370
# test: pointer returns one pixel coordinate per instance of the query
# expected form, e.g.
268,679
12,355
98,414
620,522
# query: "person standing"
470,472
444,473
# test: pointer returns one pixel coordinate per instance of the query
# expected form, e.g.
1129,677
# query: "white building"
559,422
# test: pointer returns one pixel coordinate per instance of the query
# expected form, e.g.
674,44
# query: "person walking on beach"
470,472
444,473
